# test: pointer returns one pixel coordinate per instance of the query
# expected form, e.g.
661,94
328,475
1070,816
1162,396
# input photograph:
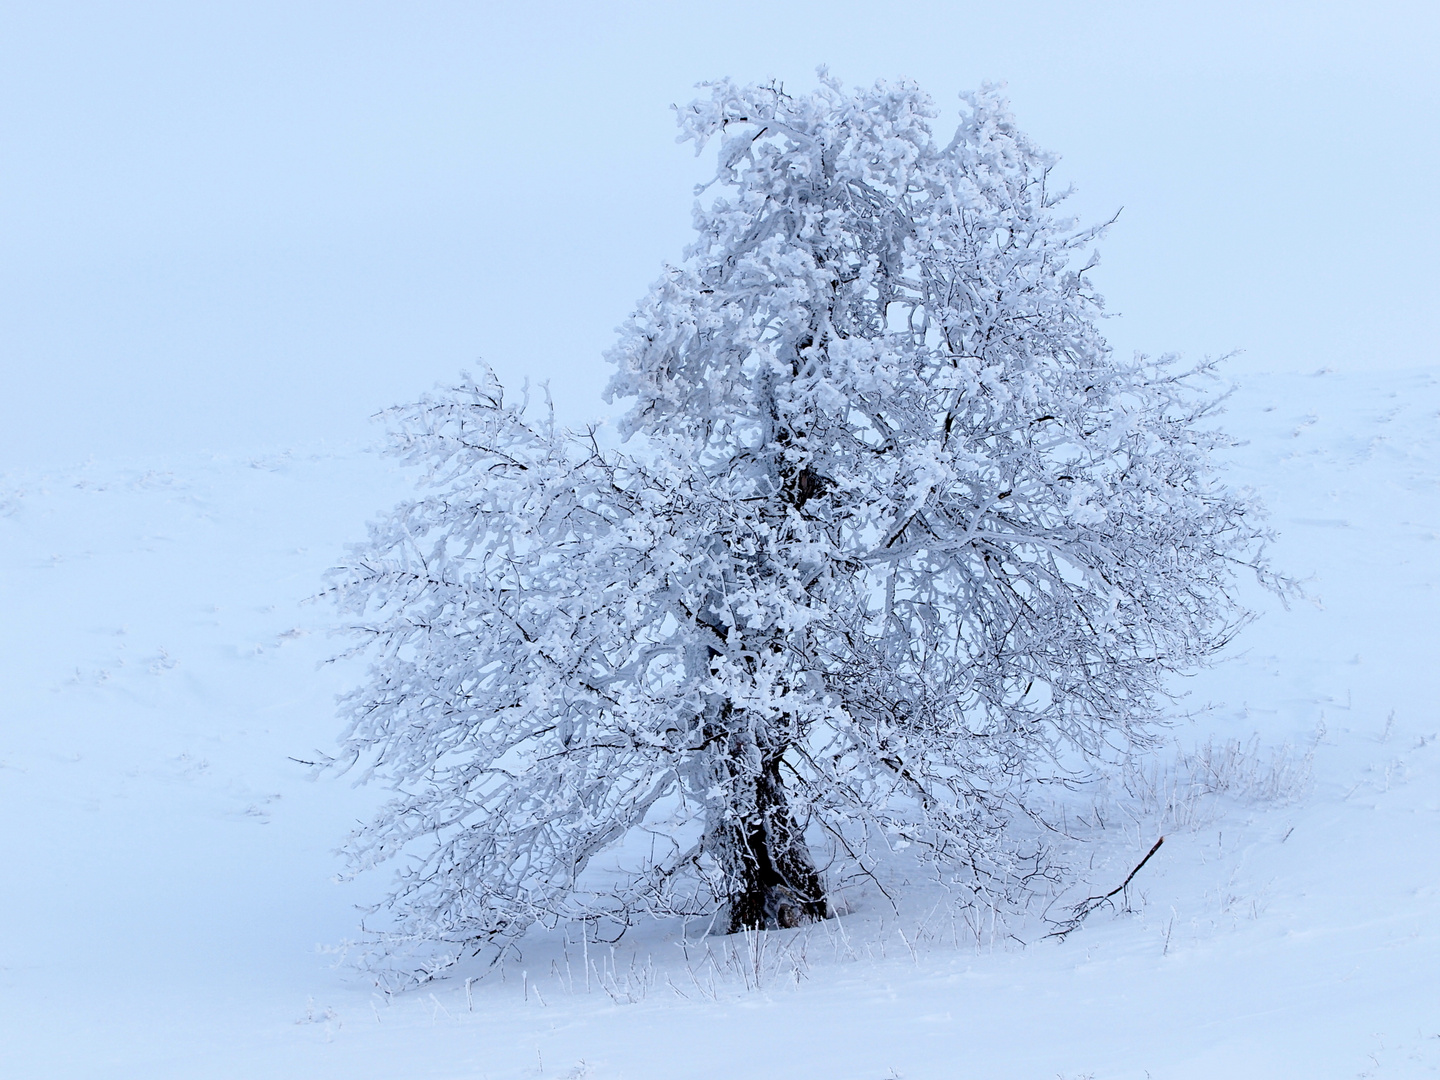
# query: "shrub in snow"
895,540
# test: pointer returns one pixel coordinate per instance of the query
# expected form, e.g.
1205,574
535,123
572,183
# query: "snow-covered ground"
165,864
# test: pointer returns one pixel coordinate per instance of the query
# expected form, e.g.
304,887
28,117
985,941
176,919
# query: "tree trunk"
774,882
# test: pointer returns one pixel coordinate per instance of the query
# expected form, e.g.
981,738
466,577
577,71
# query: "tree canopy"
895,537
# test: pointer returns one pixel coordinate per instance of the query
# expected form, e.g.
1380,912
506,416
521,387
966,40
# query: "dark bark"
774,879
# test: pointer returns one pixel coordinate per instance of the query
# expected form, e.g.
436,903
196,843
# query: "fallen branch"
1082,910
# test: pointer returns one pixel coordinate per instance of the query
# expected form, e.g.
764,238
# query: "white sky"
243,226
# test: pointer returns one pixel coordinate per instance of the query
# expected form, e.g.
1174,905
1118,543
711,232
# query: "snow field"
167,865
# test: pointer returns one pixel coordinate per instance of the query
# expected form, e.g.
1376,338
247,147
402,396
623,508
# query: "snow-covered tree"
895,539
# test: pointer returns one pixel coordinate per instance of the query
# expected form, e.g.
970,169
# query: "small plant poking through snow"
1187,789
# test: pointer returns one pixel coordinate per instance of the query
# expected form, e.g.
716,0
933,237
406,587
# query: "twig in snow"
1082,910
